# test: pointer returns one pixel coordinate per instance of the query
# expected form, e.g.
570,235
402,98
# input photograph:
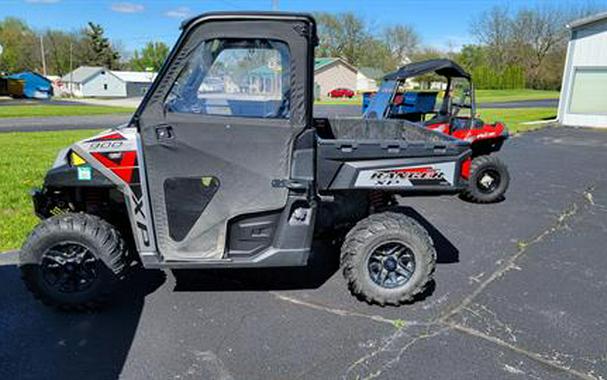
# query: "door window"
234,77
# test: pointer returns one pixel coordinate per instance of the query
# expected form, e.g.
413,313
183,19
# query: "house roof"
319,63
371,72
587,20
263,70
136,76
322,62
81,74
28,74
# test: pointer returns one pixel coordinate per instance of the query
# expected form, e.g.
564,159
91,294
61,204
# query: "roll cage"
381,104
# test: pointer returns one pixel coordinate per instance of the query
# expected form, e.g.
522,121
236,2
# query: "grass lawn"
514,118
44,110
356,100
24,159
490,96
482,96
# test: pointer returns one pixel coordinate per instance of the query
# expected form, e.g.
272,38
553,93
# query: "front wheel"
488,181
73,261
388,258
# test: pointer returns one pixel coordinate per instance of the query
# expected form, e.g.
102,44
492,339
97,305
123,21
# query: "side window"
234,77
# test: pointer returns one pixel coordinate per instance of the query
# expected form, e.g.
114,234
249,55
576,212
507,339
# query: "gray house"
87,81
583,99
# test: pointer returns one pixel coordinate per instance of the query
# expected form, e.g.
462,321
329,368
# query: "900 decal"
410,176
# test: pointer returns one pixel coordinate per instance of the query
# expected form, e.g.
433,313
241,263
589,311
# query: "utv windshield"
234,77
380,103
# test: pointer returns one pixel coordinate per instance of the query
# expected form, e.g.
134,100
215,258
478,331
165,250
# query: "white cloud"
41,1
127,7
179,12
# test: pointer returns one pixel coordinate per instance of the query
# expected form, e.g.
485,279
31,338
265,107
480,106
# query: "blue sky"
441,23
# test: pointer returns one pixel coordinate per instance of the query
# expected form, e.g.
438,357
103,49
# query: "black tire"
490,165
100,261
367,237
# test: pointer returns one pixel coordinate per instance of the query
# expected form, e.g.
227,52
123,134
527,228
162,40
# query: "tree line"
60,51
526,48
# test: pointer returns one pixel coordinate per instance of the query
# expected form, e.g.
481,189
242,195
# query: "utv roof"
444,67
248,15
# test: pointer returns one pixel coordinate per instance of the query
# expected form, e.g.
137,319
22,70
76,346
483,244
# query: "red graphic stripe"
424,169
123,169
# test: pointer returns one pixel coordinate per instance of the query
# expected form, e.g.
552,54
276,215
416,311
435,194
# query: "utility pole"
42,55
275,5
71,69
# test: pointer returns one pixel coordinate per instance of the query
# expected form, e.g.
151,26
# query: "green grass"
44,110
482,96
514,118
490,96
356,101
24,159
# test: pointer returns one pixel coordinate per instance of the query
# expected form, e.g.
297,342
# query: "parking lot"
520,292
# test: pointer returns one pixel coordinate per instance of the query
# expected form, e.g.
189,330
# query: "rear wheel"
488,181
388,258
73,261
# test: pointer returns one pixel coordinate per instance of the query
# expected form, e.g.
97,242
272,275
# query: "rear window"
235,77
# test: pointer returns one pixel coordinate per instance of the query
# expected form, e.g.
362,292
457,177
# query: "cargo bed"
394,154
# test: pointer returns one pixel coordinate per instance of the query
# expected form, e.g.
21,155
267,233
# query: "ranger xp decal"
408,176
116,154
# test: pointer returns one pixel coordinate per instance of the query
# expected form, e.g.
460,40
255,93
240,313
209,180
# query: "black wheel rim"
69,267
391,265
488,180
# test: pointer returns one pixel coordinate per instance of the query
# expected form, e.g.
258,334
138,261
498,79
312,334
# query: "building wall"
586,52
336,75
104,85
363,83
137,89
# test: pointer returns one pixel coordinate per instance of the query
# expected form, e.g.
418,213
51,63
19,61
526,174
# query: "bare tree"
493,29
402,40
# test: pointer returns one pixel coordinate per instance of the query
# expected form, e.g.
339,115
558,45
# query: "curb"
9,258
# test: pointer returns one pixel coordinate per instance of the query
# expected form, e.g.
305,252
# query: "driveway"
520,292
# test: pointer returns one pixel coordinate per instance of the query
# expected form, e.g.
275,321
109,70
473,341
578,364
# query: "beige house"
332,73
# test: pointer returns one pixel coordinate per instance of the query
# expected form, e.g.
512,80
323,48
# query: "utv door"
218,129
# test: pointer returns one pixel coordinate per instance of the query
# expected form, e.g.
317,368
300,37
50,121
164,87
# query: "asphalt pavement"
520,293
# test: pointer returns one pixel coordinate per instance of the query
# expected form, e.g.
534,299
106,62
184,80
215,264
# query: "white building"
367,79
583,100
87,81
137,82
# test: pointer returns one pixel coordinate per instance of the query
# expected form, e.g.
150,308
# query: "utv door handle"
164,133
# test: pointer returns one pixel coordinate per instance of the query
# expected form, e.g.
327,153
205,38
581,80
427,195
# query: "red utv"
448,108
341,93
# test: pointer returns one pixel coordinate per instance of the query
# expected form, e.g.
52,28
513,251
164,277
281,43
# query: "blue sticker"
85,173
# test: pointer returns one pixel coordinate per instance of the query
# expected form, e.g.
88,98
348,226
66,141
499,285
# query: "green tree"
21,49
341,35
151,57
98,50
